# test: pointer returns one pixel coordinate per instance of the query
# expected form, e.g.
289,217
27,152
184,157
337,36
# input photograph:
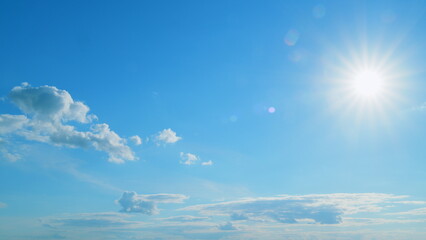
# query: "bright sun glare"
368,83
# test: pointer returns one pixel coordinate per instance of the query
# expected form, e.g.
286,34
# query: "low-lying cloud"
48,114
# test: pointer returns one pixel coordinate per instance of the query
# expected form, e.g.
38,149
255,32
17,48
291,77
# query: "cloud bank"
47,116
316,208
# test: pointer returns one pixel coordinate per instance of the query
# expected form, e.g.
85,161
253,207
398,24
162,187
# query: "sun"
368,83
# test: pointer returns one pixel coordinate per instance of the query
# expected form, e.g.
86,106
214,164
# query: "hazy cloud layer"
167,136
132,202
48,113
318,208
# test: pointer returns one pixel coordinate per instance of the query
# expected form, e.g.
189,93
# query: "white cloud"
49,111
208,163
136,140
318,208
188,158
147,204
226,227
167,136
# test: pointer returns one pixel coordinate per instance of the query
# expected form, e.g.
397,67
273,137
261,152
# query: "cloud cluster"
316,208
132,202
167,136
49,113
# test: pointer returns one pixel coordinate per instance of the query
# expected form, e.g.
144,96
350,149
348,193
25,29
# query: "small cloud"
188,158
227,227
167,136
3,205
208,163
132,202
136,140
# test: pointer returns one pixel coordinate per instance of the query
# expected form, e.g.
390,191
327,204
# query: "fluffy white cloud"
318,208
167,136
147,204
136,140
49,111
188,158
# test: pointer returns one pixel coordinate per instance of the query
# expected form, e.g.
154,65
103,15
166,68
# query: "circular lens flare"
368,83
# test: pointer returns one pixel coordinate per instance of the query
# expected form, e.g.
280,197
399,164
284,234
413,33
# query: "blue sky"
212,120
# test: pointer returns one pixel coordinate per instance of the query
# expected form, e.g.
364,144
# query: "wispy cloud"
49,113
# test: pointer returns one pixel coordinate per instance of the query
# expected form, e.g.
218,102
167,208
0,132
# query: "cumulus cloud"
136,140
317,208
227,227
188,158
167,136
48,113
132,202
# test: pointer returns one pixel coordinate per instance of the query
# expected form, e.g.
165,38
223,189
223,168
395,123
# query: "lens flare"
368,83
